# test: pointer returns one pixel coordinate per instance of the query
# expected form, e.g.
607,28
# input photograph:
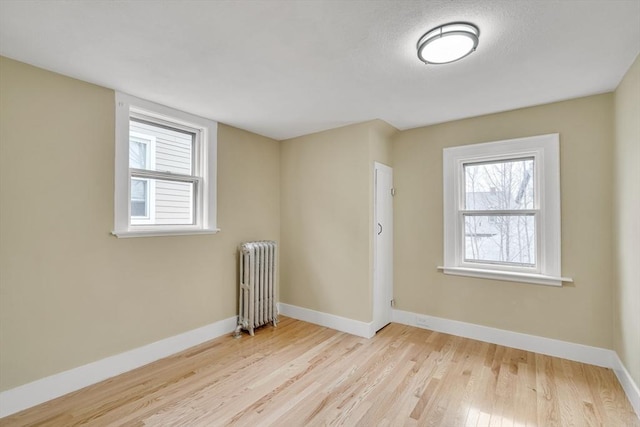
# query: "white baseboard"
551,347
548,346
628,385
350,326
42,390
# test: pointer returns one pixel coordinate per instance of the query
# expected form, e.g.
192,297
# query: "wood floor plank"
607,394
464,378
570,413
526,391
300,374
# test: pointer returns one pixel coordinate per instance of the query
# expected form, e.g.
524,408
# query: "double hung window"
165,170
502,210
499,212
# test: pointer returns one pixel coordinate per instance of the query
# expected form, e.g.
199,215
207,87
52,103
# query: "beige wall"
579,312
327,201
70,293
324,204
626,320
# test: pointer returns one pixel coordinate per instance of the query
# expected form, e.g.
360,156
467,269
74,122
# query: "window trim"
545,150
205,203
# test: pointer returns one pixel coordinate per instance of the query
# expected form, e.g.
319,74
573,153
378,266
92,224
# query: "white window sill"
538,279
122,234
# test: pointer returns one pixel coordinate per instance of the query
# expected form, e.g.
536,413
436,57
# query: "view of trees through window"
500,213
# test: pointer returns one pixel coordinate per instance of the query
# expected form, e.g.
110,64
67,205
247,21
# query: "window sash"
505,265
195,181
144,151
535,201
510,265
461,212
152,175
195,135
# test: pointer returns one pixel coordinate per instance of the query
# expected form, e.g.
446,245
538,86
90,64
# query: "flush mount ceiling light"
448,43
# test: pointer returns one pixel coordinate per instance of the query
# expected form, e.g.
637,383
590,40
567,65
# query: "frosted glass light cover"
448,43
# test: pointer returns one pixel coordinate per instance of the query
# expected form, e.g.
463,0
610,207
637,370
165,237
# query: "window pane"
138,189
173,148
500,239
137,154
139,198
138,209
169,202
504,185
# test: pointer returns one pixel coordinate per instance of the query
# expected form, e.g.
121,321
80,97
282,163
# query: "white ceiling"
288,68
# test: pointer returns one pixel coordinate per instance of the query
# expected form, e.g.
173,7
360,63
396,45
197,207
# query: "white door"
383,246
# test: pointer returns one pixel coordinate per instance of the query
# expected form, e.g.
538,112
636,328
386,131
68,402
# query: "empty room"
320,212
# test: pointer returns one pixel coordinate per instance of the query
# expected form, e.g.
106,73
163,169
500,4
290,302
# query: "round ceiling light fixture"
448,43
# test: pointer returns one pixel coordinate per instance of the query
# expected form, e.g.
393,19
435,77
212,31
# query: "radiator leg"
238,332
251,332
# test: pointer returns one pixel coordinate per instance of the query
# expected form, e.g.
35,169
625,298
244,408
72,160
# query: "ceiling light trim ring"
465,29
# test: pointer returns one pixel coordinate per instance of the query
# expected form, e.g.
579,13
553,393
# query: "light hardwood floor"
300,374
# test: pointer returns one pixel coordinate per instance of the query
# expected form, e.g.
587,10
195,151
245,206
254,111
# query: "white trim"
160,232
628,385
512,276
545,150
350,326
549,346
205,215
42,390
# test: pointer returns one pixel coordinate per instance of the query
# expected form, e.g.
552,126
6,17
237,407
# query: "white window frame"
205,166
545,150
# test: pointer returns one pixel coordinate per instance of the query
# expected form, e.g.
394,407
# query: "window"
502,210
165,170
